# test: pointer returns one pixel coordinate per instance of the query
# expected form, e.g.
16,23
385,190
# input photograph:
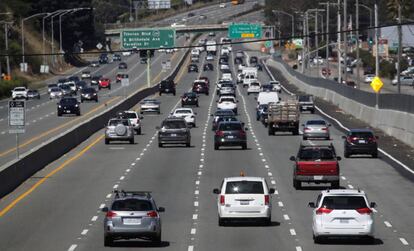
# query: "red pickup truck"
316,164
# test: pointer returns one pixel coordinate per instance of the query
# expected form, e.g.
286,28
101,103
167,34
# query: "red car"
104,83
206,79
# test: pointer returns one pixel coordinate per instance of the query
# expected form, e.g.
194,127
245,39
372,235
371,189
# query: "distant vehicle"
116,57
360,141
74,79
200,86
221,113
195,58
103,58
253,60
306,103
104,83
190,14
73,87
20,93
254,87
55,92
33,94
86,74
227,89
81,85
95,79
174,131
189,98
50,86
68,105
316,164
66,90
222,5
230,133
276,86
135,211
368,78
236,2
212,34
222,119
342,213
192,68
249,78
187,114
143,60
404,80
202,17
126,53
177,25
122,65
150,105
88,93
247,198
167,86
119,129
211,47
209,57
227,103
240,54
316,128
134,119
208,67
94,64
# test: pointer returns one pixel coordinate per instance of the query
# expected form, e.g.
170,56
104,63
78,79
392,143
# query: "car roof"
361,130
244,178
339,192
130,112
230,122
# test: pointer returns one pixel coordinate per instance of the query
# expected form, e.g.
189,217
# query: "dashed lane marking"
94,218
286,217
387,224
84,232
72,247
292,231
404,241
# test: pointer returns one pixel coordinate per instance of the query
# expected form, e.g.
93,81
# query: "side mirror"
344,137
161,209
195,113
216,191
105,209
292,158
329,125
311,204
303,125
338,158
373,204
271,190
157,127
280,99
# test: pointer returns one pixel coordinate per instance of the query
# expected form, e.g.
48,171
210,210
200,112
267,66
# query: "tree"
393,5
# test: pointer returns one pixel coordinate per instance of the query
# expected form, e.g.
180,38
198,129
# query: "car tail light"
364,210
324,129
267,199
152,214
306,129
110,214
242,133
351,139
222,200
372,139
220,133
323,210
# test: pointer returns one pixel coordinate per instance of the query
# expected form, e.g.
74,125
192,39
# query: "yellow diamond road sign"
376,84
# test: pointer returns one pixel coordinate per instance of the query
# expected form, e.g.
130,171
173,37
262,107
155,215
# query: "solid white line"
122,177
196,192
73,247
94,218
387,224
116,186
343,177
286,217
196,203
199,173
84,232
292,231
108,195
273,182
197,182
404,241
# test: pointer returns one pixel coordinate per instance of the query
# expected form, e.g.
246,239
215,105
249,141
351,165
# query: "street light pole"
22,27
339,53
345,40
293,20
399,48
357,43
376,50
53,34
60,25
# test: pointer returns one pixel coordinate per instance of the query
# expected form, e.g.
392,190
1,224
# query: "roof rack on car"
123,193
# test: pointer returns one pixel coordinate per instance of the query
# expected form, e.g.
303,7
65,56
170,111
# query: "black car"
68,105
33,94
189,98
238,61
167,86
253,60
122,65
103,58
224,60
174,131
208,67
267,87
192,68
230,133
81,84
89,93
116,57
143,60
360,141
74,79
95,79
200,86
120,76
259,67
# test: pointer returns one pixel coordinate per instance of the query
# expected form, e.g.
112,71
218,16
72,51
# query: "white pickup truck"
19,92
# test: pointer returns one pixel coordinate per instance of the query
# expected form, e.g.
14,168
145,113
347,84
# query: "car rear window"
361,134
344,202
183,111
230,127
173,124
226,100
190,95
55,89
305,98
132,205
315,154
316,122
88,90
114,122
68,101
130,115
244,187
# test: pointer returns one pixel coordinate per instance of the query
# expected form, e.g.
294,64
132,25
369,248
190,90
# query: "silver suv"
132,214
119,129
174,130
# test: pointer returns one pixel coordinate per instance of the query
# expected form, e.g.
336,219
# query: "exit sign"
245,30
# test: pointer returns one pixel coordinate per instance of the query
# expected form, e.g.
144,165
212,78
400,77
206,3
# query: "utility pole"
357,43
308,40
376,50
345,40
316,42
399,48
149,68
303,43
327,36
339,44
6,34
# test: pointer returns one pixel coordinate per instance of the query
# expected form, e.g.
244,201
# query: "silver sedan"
316,129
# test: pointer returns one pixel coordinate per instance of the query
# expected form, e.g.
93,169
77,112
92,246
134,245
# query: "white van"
265,98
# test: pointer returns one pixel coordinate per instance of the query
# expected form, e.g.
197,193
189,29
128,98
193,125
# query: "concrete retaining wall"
394,123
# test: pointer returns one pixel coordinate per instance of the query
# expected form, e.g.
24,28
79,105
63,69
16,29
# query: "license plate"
317,177
167,90
243,203
67,111
230,137
344,221
131,221
173,135
361,141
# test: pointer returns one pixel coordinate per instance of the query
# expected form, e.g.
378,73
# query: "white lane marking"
286,217
195,216
298,248
122,177
84,232
404,241
94,218
269,174
276,192
199,173
115,186
108,195
3,132
387,224
72,247
190,248
280,204
350,186
116,148
343,177
197,182
273,182
193,231
375,210
101,206
137,159
128,170
133,164
196,192
292,231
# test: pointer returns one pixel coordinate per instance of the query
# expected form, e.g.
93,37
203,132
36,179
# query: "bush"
7,86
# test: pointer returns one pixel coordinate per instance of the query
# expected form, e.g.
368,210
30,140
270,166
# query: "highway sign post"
148,38
376,85
244,30
17,120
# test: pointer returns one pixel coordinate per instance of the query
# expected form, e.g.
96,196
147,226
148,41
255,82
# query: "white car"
244,198
240,77
227,76
187,113
72,86
222,5
254,87
126,53
368,78
404,80
134,119
55,92
19,92
150,105
209,57
276,86
249,78
86,74
177,25
224,67
227,103
342,213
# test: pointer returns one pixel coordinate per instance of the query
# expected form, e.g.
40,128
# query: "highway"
59,207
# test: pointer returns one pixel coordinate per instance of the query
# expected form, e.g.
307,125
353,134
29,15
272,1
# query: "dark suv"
360,141
230,133
200,86
306,103
68,105
167,86
174,131
189,98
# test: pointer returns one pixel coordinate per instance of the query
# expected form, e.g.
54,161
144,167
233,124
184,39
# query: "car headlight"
59,106
76,105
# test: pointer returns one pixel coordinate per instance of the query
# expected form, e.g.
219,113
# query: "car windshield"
190,95
315,122
68,101
174,124
344,202
132,205
224,112
183,112
20,89
65,87
88,90
114,122
316,154
255,84
55,89
220,119
305,98
150,102
52,85
361,134
230,127
244,187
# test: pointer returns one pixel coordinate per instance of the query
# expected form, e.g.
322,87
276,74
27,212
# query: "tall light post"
53,33
376,49
345,39
357,42
291,16
60,25
339,52
316,32
43,32
22,27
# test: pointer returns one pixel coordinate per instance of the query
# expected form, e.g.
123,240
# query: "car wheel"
375,155
188,144
267,221
81,100
347,154
216,146
132,141
244,146
157,238
220,221
313,111
335,184
78,114
108,241
139,131
297,184
96,100
59,114
107,141
317,239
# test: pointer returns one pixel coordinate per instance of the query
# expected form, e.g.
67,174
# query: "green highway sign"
245,30
148,38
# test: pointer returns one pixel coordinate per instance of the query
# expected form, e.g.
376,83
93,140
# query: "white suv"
19,92
342,213
244,198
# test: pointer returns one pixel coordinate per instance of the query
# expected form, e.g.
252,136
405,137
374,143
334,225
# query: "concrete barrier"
16,172
398,124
